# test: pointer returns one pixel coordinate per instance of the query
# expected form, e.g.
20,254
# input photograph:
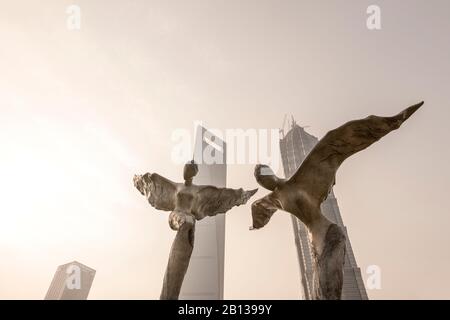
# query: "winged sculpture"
187,203
303,193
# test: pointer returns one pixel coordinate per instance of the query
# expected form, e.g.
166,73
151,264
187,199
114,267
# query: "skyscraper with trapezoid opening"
204,278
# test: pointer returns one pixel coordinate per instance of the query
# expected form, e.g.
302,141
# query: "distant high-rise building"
205,276
294,147
72,281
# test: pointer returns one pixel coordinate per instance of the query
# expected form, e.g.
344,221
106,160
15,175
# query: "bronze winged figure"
187,203
302,194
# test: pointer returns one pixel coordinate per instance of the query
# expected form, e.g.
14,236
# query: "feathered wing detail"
263,209
211,200
160,192
317,173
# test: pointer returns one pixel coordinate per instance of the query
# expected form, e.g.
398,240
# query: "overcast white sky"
83,111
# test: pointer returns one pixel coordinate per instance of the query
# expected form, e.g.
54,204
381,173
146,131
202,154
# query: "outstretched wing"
317,173
160,192
211,200
263,209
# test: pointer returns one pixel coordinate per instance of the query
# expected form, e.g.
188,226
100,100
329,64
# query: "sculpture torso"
186,196
184,199
301,205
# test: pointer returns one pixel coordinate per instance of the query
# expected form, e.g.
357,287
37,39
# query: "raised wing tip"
247,195
409,111
137,179
140,181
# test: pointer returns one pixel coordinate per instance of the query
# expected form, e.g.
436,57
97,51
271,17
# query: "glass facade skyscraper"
72,281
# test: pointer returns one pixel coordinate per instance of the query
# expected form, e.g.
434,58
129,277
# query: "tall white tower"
205,275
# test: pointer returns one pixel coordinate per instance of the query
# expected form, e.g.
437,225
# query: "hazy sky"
83,111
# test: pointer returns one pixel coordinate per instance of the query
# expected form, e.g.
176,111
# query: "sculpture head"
189,172
266,177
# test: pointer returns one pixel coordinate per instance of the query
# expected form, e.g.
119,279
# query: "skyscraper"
205,275
294,147
72,281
